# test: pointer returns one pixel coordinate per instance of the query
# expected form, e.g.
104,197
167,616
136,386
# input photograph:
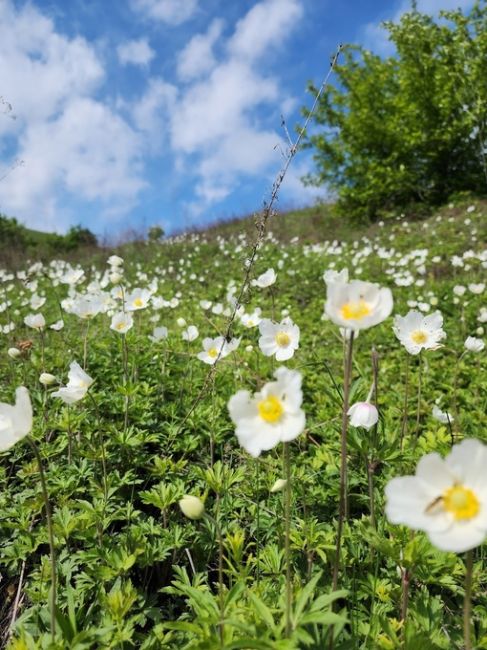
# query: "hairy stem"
467,601
50,532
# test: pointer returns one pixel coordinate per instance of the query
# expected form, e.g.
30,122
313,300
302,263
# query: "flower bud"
47,379
115,278
279,485
13,353
363,414
192,507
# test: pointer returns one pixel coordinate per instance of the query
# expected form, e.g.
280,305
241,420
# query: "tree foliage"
411,127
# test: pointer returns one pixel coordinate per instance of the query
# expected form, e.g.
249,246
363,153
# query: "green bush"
411,127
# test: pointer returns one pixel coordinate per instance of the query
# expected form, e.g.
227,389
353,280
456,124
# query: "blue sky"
130,113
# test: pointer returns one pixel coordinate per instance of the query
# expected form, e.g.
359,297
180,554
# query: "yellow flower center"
283,339
419,337
355,310
120,326
213,353
461,502
138,302
270,409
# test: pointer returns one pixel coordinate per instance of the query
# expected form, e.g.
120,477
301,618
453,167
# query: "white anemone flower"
279,339
357,305
446,498
190,334
265,280
137,299
36,321
473,344
115,260
216,348
16,420
363,414
122,322
251,320
441,416
330,276
159,333
87,307
77,387
418,332
270,416
57,326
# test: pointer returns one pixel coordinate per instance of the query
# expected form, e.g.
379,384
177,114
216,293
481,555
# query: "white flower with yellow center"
418,332
270,416
77,387
357,305
251,320
279,339
137,299
447,498
121,322
213,349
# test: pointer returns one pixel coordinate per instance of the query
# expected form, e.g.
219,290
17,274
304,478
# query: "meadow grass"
256,570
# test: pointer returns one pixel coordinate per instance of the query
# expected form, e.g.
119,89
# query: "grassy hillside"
260,569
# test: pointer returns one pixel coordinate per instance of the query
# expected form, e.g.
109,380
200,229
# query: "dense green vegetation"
17,241
410,128
132,570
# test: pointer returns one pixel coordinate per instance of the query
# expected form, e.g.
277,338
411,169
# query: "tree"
78,236
410,127
155,234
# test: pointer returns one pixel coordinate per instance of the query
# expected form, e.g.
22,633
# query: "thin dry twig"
261,225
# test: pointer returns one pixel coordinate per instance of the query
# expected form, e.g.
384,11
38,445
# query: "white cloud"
137,52
40,69
151,111
216,107
197,57
215,119
74,146
264,27
173,12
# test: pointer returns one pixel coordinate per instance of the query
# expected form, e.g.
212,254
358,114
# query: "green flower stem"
404,421
125,358
50,532
420,380
220,570
372,464
257,522
467,601
343,502
85,344
286,458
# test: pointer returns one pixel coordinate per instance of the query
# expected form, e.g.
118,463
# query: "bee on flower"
446,498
